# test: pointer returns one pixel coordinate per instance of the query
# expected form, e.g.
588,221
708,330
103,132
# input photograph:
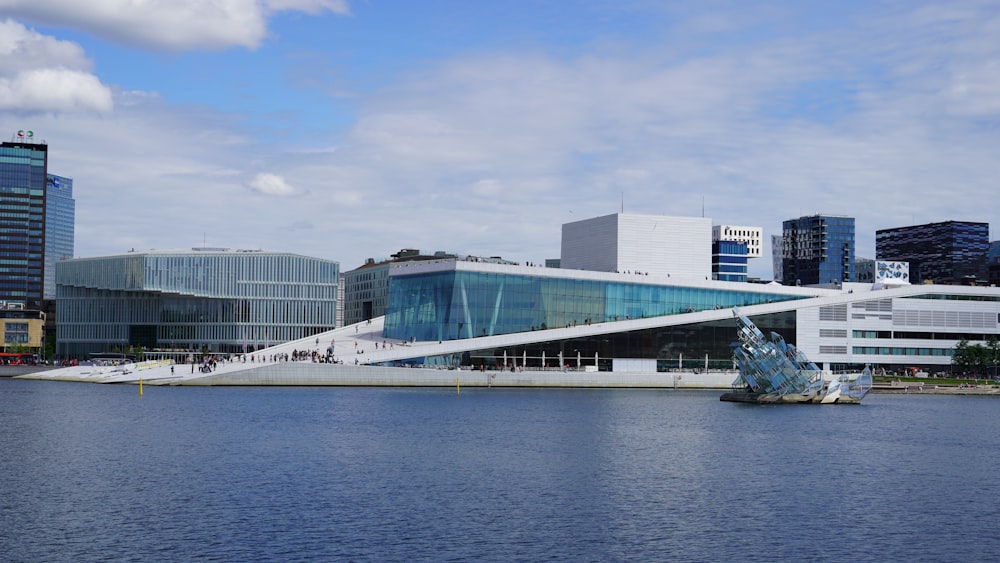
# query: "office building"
993,263
23,173
732,245
21,329
945,253
864,270
174,303
818,249
60,227
751,236
655,245
729,260
777,255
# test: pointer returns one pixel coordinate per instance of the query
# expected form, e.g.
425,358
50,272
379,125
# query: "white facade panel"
637,365
591,244
807,332
678,247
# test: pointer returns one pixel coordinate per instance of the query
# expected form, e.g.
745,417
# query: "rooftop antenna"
702,207
623,202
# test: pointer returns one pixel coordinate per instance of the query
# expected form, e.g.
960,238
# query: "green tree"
974,358
993,345
964,356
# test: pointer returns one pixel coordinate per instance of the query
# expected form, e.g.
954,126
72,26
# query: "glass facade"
450,305
60,223
818,249
202,300
939,252
22,222
729,261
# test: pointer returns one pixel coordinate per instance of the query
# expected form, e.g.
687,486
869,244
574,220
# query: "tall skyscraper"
37,220
23,170
818,249
940,252
60,223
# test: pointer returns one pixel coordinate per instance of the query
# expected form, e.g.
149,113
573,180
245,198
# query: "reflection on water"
97,472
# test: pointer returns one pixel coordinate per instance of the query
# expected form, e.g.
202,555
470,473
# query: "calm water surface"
96,472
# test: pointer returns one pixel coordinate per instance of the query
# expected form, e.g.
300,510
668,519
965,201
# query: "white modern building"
668,323
752,236
657,245
531,326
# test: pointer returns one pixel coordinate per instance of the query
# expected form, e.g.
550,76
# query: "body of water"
96,472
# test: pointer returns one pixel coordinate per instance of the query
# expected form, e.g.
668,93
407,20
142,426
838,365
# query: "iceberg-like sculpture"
773,371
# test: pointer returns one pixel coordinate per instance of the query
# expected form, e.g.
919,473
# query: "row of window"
900,334
130,308
212,275
177,334
900,351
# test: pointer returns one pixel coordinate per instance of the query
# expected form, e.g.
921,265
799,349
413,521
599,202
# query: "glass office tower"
173,303
23,170
729,260
940,252
817,249
60,223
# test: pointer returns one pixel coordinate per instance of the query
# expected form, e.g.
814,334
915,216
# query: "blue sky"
348,129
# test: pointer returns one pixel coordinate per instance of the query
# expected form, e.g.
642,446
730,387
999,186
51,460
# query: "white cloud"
536,137
488,188
270,184
310,6
54,90
22,49
40,73
172,25
490,153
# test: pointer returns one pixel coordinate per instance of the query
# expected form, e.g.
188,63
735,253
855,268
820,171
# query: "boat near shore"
775,372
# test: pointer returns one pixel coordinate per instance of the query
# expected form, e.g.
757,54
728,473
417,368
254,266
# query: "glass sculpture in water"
773,371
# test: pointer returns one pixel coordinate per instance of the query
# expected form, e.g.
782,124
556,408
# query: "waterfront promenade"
358,346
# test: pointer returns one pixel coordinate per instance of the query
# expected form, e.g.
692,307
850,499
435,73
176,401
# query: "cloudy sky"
348,129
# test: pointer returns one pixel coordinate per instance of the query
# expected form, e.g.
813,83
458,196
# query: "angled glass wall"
462,304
